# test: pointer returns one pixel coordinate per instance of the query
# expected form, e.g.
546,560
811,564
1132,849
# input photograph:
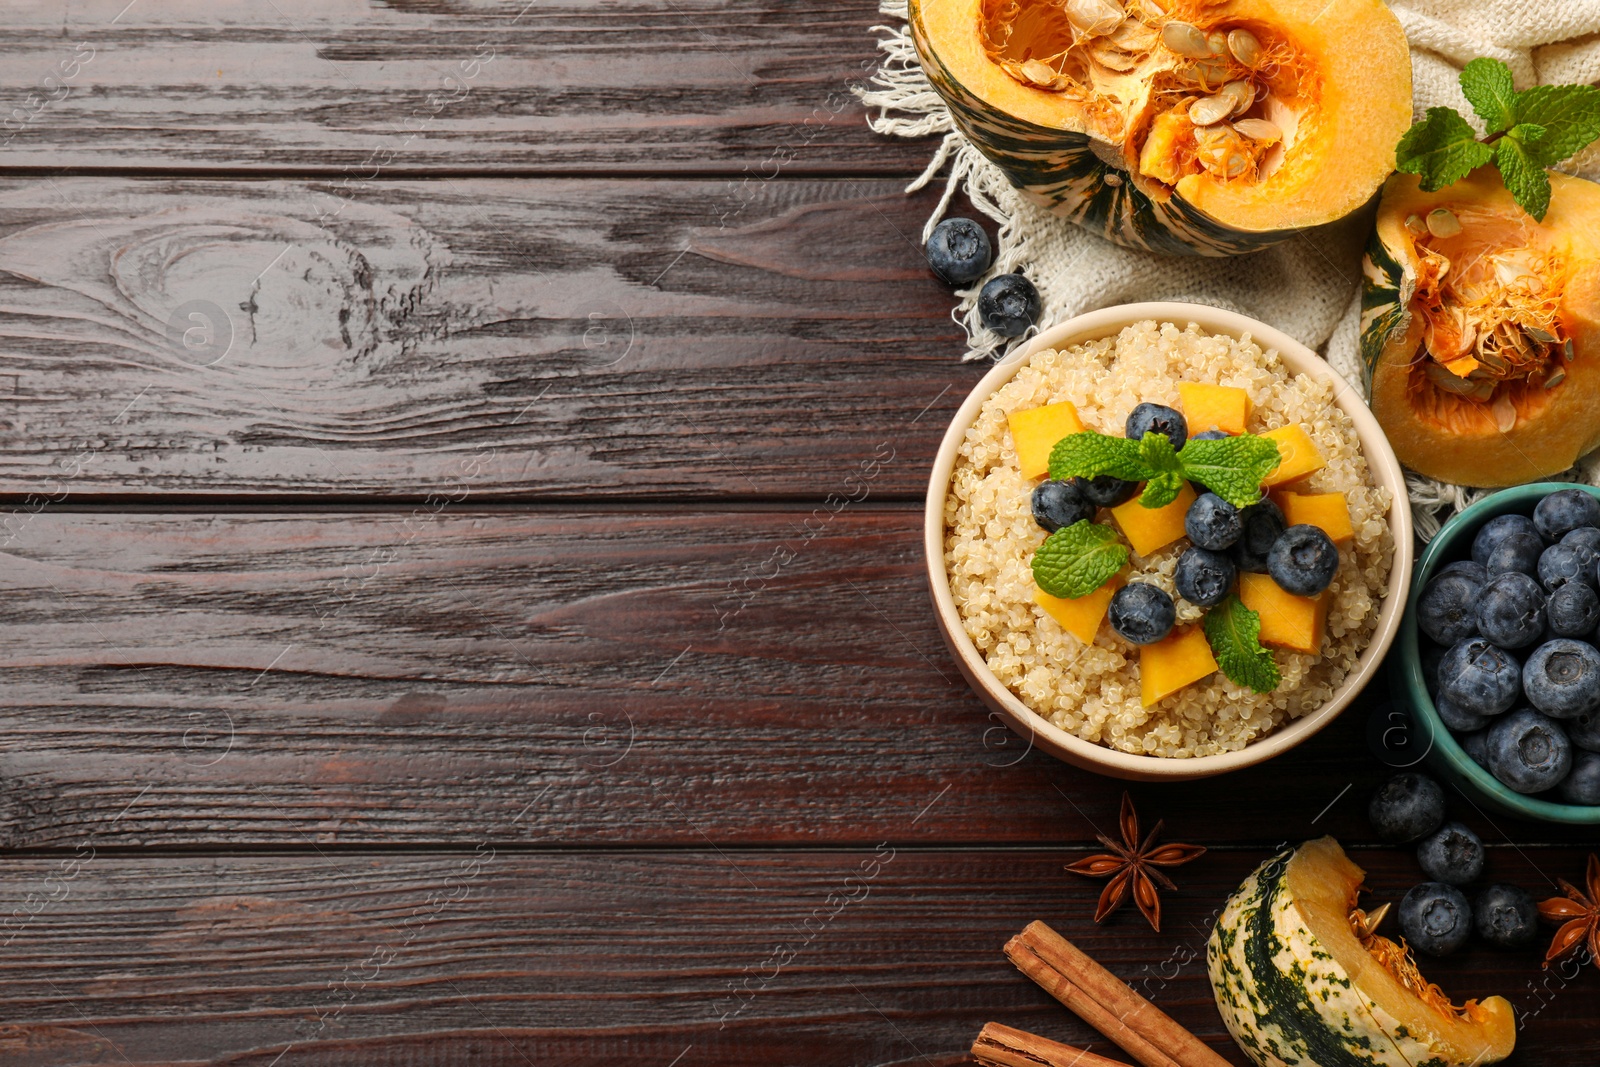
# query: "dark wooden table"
445,618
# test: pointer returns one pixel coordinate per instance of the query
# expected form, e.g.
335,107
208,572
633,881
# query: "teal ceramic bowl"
1444,754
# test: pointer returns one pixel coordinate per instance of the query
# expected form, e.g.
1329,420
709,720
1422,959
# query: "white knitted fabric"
1307,286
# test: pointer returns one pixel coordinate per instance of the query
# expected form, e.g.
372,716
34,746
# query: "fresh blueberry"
1480,678
1506,916
1562,678
1458,718
1142,613
1518,552
959,251
1008,305
1447,610
1204,577
1564,511
1304,560
1159,418
1430,657
1585,537
1560,564
1573,610
1476,746
1406,807
1584,731
1435,918
1491,533
1058,504
1511,610
1262,524
1105,490
1206,435
1452,854
1582,783
1528,752
1476,571
1211,522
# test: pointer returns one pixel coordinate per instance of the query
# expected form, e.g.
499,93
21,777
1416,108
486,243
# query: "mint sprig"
1233,467
1234,632
1078,559
1526,132
1166,477
1090,454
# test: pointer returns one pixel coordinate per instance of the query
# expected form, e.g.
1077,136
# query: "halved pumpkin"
1300,977
1481,328
1183,126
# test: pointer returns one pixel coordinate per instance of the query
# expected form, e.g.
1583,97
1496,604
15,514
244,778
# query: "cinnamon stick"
1105,1002
1005,1046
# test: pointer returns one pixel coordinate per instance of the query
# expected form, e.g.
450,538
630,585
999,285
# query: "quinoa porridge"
1093,691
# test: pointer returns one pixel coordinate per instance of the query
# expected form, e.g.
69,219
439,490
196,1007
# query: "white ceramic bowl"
1298,359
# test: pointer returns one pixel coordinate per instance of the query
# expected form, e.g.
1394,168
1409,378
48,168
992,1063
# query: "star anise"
1579,916
1133,865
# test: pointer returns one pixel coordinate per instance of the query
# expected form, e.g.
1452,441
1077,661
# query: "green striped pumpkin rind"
1285,1000
1383,303
1058,170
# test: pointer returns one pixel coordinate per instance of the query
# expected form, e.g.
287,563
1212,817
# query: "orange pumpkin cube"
1298,454
1213,407
1328,512
1080,616
1034,433
1289,622
1150,529
1181,658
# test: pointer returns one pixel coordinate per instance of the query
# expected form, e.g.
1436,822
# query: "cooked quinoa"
1093,690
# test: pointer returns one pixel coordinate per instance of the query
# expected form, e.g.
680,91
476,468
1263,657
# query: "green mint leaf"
1232,468
1523,174
1441,149
1089,455
1157,452
1234,632
1570,115
1078,559
1487,83
1161,490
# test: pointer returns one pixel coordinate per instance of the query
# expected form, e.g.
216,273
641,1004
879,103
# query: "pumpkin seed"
1186,40
1217,43
1245,47
1505,413
1442,378
1135,36
1555,378
1210,110
1042,74
1442,222
1415,225
1095,18
1114,59
1244,94
1259,130
1566,350
1542,336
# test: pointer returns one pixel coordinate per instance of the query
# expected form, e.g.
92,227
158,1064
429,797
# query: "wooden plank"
343,86
615,676
881,955
488,338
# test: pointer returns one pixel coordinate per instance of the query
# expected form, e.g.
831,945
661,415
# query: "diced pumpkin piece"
1080,616
1298,452
1213,407
1289,622
1150,529
1034,433
1328,512
1179,659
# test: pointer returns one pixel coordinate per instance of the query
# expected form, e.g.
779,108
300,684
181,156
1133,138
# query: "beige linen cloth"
1307,286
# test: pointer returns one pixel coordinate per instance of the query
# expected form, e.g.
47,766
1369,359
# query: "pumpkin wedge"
1300,978
1480,328
1212,127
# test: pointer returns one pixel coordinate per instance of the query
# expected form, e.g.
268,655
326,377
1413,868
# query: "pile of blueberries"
958,251
1223,539
1513,667
1435,916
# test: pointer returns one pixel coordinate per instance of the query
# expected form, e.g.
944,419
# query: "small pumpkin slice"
1080,616
1300,455
1152,529
1214,407
1328,512
1035,431
1179,659
1290,622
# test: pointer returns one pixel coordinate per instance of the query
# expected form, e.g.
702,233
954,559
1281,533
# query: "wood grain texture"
875,956
345,86
497,338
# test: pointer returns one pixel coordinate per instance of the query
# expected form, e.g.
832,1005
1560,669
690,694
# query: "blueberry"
1476,746
1303,561
1142,613
1582,783
1204,577
1506,916
1528,752
1511,610
1497,529
1447,608
1008,305
1430,657
1262,524
1573,611
1480,678
1159,418
1211,522
1585,537
1584,731
1106,491
1452,854
1406,807
1058,504
1560,564
1562,678
1517,552
1564,511
1475,571
1458,718
959,251
1435,918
